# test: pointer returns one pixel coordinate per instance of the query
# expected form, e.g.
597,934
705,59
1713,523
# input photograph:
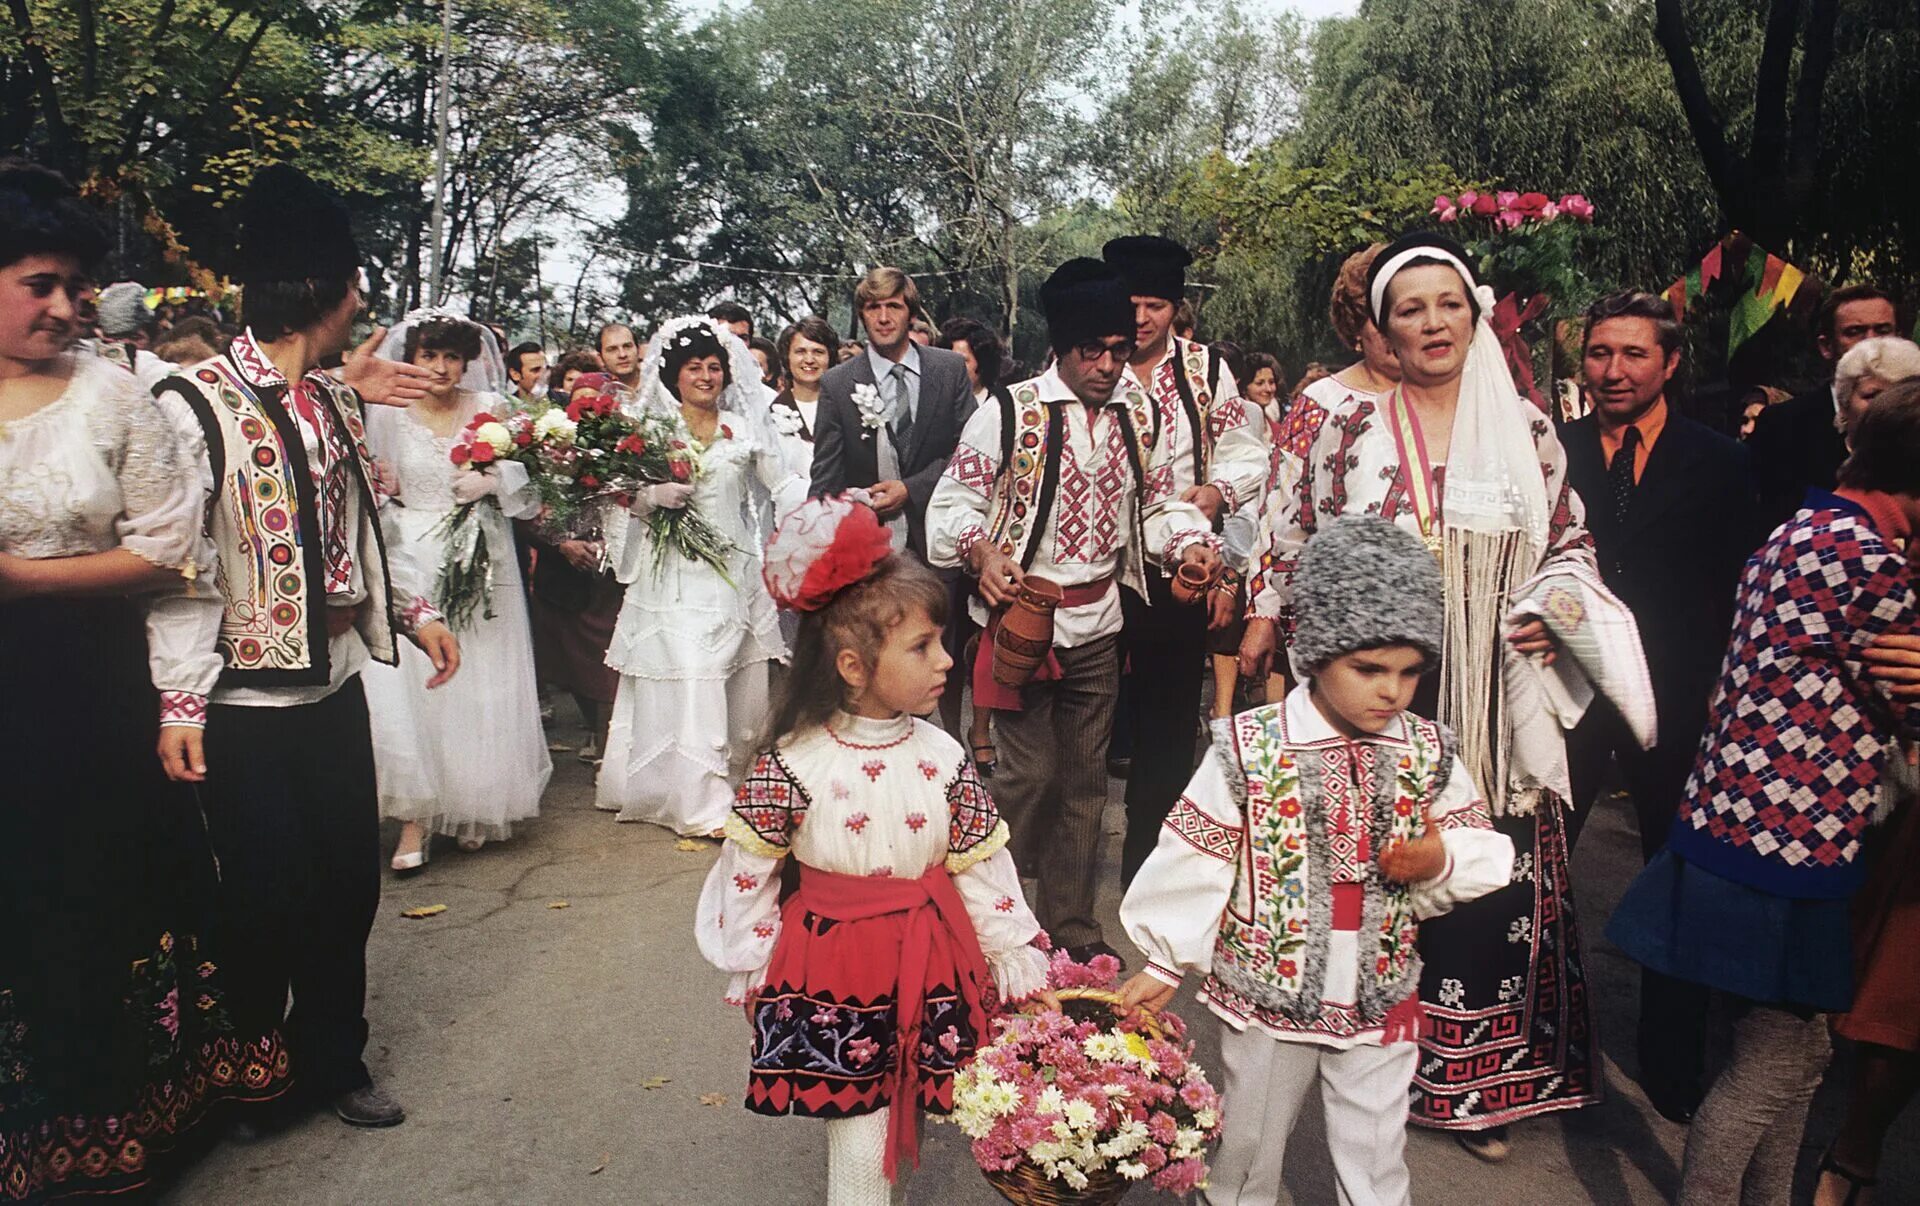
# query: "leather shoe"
1093,950
1673,1102
368,1106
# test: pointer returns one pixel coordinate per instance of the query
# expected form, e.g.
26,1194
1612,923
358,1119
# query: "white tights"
856,1161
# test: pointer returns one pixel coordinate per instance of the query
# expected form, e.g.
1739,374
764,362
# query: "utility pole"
436,281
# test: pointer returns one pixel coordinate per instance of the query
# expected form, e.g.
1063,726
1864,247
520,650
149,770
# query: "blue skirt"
1693,925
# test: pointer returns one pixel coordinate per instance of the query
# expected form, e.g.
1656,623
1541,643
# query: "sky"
561,261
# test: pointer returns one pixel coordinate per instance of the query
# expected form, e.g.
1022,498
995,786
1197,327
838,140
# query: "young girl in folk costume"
873,983
468,759
1300,862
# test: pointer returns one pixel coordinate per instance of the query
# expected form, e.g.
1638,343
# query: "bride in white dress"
693,646
469,759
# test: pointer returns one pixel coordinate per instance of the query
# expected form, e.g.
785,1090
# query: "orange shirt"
1651,424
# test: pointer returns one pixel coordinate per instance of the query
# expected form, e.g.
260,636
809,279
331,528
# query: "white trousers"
1266,1081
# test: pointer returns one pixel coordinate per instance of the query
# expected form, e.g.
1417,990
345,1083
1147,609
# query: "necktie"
902,425
1620,473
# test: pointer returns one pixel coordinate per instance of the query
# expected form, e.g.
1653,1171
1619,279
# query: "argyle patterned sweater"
1789,770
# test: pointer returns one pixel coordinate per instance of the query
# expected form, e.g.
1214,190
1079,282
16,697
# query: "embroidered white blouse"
865,797
1173,909
1238,459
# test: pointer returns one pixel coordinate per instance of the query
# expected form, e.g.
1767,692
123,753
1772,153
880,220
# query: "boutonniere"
873,411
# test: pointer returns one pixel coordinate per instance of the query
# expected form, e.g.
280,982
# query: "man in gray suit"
890,417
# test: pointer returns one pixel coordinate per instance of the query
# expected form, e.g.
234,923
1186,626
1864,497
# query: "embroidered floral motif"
840,790
917,821
928,770
873,770
857,822
1004,904
763,930
770,802
746,883
862,1050
881,873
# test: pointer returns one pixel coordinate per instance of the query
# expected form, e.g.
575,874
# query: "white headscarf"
1493,481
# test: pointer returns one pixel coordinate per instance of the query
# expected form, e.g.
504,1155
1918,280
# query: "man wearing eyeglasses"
1051,483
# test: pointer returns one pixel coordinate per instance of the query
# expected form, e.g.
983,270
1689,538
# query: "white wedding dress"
693,649
469,758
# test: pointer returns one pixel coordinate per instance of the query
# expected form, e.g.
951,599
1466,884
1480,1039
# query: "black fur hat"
293,228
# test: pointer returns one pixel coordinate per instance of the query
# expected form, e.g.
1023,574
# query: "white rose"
555,425
495,434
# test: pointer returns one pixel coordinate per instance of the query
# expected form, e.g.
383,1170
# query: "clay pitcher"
1190,583
1025,635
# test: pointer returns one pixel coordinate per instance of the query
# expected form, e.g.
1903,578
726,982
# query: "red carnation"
681,471
1485,207
589,480
577,409
482,417
482,453
523,439
681,444
459,454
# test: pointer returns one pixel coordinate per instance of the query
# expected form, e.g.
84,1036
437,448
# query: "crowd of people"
1437,623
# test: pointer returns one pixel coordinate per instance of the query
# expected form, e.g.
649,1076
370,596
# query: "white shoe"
413,864
471,844
590,753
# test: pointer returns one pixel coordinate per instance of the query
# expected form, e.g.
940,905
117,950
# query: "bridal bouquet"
534,440
1076,1104
617,455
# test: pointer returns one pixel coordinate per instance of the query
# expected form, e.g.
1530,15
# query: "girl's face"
1378,353
44,302
447,369
1263,389
806,360
760,358
908,677
701,380
1429,323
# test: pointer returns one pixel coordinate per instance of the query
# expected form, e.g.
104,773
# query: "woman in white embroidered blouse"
109,1001
467,759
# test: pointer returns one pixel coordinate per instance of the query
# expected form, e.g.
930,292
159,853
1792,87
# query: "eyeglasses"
1093,353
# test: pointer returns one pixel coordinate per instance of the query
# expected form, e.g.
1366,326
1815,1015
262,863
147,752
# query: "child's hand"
1144,992
1413,861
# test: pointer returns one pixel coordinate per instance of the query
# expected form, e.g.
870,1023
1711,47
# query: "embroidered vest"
1031,432
264,518
114,353
1273,941
1196,367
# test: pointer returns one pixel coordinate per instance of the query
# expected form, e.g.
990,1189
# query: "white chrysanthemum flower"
1108,1047
1187,1143
555,425
1080,1115
1132,1170
1050,1101
1206,1120
495,434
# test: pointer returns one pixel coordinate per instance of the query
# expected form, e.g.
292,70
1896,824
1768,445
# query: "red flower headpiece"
823,547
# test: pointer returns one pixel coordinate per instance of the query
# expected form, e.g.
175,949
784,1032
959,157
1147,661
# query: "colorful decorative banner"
1770,284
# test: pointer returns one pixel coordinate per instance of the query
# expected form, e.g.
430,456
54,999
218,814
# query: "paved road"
580,1054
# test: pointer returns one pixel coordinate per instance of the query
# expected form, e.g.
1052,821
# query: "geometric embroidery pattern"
1203,832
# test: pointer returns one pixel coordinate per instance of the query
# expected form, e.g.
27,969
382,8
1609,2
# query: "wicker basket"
1025,1185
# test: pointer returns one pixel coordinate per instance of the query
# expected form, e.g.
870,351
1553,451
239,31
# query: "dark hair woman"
985,355
112,1023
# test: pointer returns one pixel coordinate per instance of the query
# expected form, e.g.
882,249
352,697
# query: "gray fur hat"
1363,582
122,309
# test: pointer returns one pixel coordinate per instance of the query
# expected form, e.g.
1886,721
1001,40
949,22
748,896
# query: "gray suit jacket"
844,452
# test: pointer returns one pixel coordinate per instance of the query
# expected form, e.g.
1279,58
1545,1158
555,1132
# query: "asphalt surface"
550,1054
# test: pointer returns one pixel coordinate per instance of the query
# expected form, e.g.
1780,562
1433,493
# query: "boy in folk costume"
258,672
1216,458
1295,870
1053,482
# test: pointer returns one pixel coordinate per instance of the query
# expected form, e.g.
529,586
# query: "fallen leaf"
601,1167
713,1099
690,845
558,904
654,1082
423,911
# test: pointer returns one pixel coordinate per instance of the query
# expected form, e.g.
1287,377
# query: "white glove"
472,485
670,495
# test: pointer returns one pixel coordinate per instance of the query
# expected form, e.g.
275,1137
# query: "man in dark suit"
1670,505
1797,444
890,417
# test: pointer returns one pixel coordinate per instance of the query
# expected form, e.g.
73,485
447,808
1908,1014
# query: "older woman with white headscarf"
1455,455
1866,371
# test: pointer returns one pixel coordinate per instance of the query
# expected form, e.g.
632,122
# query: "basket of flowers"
1079,1105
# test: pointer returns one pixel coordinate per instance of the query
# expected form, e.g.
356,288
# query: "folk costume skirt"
877,994
116,1036
1510,1030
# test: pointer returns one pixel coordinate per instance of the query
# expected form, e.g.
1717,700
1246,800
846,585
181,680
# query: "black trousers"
1673,1013
1166,652
294,816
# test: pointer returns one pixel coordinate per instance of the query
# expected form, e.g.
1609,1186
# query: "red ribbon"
1507,318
